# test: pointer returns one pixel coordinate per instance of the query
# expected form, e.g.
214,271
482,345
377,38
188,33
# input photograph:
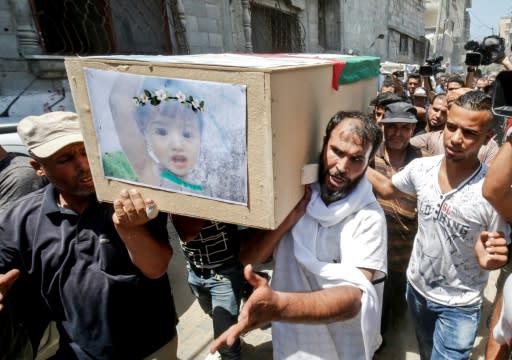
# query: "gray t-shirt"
443,266
17,178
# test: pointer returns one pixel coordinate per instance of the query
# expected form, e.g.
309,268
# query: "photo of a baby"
173,137
180,135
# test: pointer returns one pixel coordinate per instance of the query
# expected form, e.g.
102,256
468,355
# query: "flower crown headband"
162,95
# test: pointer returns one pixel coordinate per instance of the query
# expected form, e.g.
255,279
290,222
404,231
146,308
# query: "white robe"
303,263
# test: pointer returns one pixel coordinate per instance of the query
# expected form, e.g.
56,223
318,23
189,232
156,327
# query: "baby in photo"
172,126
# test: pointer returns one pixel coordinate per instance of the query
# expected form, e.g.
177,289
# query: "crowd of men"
410,212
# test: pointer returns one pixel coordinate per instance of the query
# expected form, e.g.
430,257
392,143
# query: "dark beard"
329,196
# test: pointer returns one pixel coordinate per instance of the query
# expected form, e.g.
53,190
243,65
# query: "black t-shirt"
76,270
217,244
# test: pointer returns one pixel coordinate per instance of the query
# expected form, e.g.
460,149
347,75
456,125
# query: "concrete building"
37,34
447,25
505,31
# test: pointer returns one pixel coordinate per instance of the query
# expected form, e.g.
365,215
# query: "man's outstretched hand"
261,308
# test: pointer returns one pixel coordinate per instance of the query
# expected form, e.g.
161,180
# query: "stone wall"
209,26
363,21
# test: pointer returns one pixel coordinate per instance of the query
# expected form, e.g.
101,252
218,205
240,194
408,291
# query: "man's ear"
37,167
489,136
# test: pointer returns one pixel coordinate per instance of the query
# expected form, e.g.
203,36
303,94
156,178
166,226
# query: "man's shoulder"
369,214
24,205
413,152
15,161
380,164
438,134
425,162
21,172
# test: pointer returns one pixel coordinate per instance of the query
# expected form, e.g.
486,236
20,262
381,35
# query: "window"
87,27
275,30
329,25
404,45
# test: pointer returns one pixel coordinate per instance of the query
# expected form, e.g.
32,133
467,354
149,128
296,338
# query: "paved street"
195,329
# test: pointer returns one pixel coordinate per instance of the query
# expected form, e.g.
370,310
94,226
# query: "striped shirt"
401,213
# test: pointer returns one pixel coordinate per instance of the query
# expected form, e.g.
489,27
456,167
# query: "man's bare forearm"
494,350
327,305
496,188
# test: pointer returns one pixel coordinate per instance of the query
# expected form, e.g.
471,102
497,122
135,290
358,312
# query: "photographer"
431,69
455,82
413,82
441,81
482,84
388,85
424,93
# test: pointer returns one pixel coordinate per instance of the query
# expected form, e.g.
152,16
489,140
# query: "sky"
485,17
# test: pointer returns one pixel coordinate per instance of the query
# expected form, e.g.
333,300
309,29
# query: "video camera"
433,67
490,50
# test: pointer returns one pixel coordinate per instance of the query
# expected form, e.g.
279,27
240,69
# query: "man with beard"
394,154
322,303
437,113
460,236
97,270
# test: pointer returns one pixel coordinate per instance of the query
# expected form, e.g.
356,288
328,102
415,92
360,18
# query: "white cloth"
323,250
443,266
503,330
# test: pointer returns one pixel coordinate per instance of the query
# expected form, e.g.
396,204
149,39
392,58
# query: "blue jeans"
219,296
443,332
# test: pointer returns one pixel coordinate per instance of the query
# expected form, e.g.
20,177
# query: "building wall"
8,33
29,84
205,26
362,22
215,26
406,21
407,16
208,25
447,25
506,32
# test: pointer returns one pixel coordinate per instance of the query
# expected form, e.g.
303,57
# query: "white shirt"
503,330
443,265
359,241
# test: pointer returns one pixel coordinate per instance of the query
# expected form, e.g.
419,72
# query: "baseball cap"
399,112
46,134
385,98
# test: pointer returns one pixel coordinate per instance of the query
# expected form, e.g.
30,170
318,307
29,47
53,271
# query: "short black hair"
369,131
475,100
388,82
441,96
457,79
384,99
